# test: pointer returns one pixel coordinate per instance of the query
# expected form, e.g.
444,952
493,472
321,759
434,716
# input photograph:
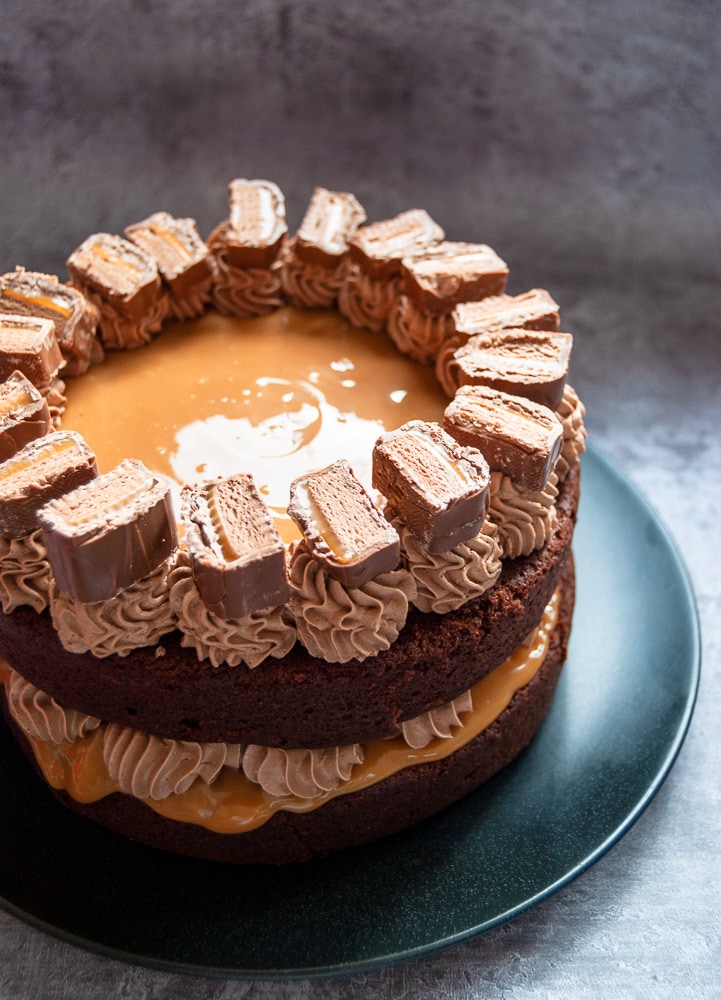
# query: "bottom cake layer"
395,803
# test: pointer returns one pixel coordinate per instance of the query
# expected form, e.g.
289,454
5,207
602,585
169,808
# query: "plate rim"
610,469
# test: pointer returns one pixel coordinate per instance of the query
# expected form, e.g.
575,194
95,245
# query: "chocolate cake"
251,671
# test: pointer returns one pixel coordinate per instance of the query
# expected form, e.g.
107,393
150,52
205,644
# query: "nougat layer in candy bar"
380,246
117,271
448,273
345,530
41,471
531,363
437,487
237,554
28,344
517,436
255,230
24,414
109,533
176,247
31,293
531,310
330,220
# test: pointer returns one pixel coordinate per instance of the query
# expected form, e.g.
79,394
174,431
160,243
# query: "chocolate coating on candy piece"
256,224
531,310
344,529
331,218
177,249
443,275
437,487
531,363
380,246
123,282
517,436
24,414
238,556
30,293
109,533
28,344
41,471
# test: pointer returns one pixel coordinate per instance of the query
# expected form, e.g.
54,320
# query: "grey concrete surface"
581,140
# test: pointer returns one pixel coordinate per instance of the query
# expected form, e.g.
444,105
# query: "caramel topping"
277,395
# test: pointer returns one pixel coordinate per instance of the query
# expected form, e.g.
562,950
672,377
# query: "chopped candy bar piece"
437,487
517,436
123,282
28,344
109,533
24,414
41,471
344,529
256,227
531,310
331,218
531,363
443,275
238,556
380,246
28,293
182,259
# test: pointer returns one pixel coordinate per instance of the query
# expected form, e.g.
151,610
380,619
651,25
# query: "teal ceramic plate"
616,725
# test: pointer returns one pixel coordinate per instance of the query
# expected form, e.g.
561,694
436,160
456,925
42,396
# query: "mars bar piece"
238,556
41,471
24,414
330,220
517,436
437,487
531,310
123,282
345,530
444,275
109,533
380,246
254,232
30,293
28,344
182,259
531,363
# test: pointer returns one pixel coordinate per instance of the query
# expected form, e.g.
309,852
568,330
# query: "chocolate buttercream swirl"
570,412
248,640
446,581
525,518
152,767
137,616
365,301
24,572
304,773
246,292
309,286
439,723
120,332
339,624
193,302
416,333
41,717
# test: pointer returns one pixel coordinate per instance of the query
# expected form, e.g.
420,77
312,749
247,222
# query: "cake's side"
393,804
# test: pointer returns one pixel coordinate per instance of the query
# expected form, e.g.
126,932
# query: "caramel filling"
233,804
16,400
204,403
40,301
46,452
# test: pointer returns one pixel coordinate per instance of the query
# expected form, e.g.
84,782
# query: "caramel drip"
232,804
276,396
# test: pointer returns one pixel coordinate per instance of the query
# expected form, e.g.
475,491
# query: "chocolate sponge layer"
391,805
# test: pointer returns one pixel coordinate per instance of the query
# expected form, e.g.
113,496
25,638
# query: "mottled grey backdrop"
545,128
582,139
